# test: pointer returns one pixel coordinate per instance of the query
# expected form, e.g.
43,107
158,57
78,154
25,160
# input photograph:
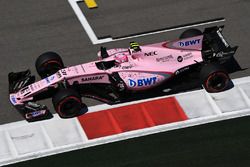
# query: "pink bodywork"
147,68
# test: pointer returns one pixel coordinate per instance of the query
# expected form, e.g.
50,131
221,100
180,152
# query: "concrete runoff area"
217,144
106,124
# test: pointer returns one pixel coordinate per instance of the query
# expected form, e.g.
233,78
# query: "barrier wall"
22,141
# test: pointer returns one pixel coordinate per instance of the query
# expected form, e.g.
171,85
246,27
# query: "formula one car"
121,73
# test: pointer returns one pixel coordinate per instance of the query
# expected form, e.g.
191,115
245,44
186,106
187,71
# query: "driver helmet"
121,58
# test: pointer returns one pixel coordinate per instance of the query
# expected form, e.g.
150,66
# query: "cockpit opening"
104,65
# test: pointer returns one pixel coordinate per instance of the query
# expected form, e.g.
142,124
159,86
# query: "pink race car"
197,59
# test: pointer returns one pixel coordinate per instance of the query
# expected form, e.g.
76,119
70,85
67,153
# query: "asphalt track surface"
29,28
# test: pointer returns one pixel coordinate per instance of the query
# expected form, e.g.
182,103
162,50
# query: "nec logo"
189,43
153,53
142,82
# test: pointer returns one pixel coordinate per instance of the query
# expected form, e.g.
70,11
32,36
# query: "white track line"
172,29
95,40
85,23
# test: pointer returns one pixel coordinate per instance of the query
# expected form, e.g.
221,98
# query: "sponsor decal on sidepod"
189,43
152,53
92,78
142,82
164,59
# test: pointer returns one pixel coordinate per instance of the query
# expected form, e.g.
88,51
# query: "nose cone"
14,99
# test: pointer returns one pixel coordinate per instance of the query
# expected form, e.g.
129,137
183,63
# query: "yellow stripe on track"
90,4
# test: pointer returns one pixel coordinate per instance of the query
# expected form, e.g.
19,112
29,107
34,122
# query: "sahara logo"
142,82
189,43
93,78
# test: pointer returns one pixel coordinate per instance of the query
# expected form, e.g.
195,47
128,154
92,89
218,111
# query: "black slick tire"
48,63
68,103
214,78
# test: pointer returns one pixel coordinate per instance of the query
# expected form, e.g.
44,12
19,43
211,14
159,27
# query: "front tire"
48,63
68,103
214,79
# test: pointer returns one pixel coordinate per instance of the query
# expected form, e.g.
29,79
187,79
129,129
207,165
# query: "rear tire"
48,63
190,33
214,79
68,103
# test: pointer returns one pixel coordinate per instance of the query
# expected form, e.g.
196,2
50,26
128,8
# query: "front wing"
31,111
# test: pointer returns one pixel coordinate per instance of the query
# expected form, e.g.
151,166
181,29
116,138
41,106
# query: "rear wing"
214,38
220,48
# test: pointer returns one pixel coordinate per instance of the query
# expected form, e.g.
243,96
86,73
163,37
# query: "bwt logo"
142,82
189,43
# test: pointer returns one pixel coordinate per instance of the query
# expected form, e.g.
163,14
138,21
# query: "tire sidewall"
209,72
207,83
64,96
45,59
60,108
